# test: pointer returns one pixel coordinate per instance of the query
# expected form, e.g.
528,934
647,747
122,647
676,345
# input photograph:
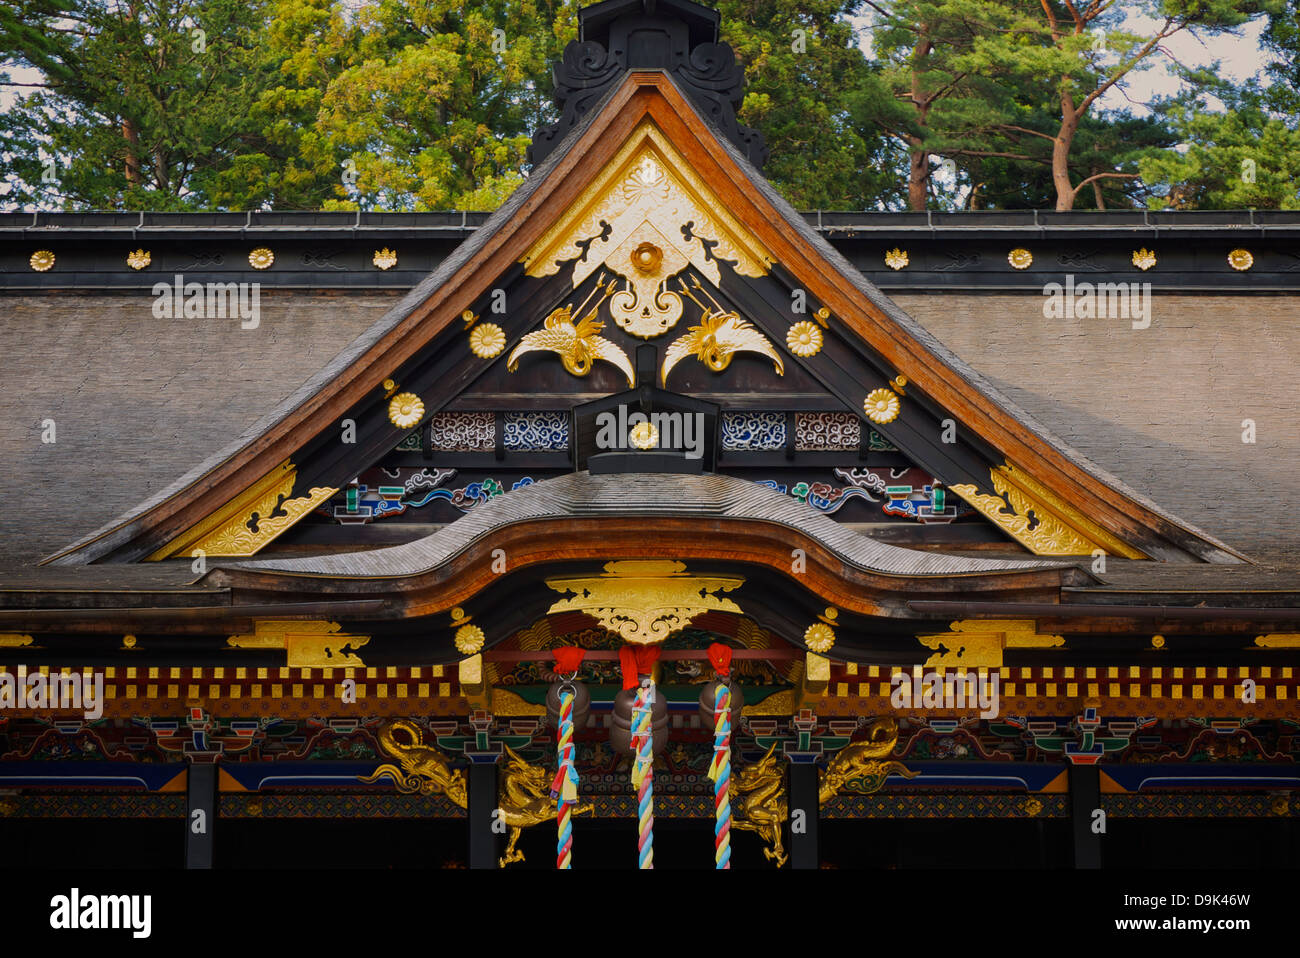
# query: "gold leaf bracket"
307,645
979,643
1039,520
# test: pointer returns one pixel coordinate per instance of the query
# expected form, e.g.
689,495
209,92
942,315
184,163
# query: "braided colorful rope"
567,779
720,772
643,773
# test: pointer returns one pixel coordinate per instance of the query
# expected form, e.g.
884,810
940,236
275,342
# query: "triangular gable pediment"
644,176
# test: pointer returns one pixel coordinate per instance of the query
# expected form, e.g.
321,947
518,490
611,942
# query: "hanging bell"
708,698
620,730
581,702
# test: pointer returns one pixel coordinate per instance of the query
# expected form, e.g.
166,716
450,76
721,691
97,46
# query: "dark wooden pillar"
1085,798
200,812
482,809
804,811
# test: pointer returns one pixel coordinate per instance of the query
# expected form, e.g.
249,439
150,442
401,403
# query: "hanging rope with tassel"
564,789
720,767
637,663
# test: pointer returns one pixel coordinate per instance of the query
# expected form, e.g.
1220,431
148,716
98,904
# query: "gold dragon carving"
864,763
759,803
424,769
523,793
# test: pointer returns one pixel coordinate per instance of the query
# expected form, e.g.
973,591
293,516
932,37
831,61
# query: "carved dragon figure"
424,768
525,800
523,794
759,804
864,762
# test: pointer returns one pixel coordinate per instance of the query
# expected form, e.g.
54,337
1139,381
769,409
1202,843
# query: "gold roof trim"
1061,530
227,531
647,183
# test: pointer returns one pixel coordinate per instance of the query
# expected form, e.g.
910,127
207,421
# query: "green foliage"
800,95
139,110
1239,159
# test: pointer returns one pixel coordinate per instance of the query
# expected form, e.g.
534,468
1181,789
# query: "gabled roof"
1009,466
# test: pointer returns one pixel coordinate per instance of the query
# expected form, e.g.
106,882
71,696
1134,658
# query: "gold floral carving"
819,637
138,259
1020,258
307,645
578,345
1038,519
487,341
644,435
896,258
648,194
41,260
1144,259
1241,259
644,602
716,340
384,258
804,339
405,410
979,643
881,406
261,258
469,639
250,520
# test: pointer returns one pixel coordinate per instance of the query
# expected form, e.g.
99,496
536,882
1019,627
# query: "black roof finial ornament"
676,36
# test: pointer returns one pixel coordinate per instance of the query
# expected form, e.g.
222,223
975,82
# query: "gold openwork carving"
250,520
307,645
644,602
759,803
647,216
1040,520
979,643
138,259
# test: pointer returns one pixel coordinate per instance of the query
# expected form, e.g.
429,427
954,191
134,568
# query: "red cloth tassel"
568,659
720,659
636,661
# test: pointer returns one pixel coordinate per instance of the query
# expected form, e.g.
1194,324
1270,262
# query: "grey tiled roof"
581,495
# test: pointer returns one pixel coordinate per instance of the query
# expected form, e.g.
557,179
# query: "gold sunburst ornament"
405,410
261,258
1241,259
487,340
819,637
384,258
1144,259
469,639
896,258
644,435
881,406
138,259
804,339
41,260
1020,258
